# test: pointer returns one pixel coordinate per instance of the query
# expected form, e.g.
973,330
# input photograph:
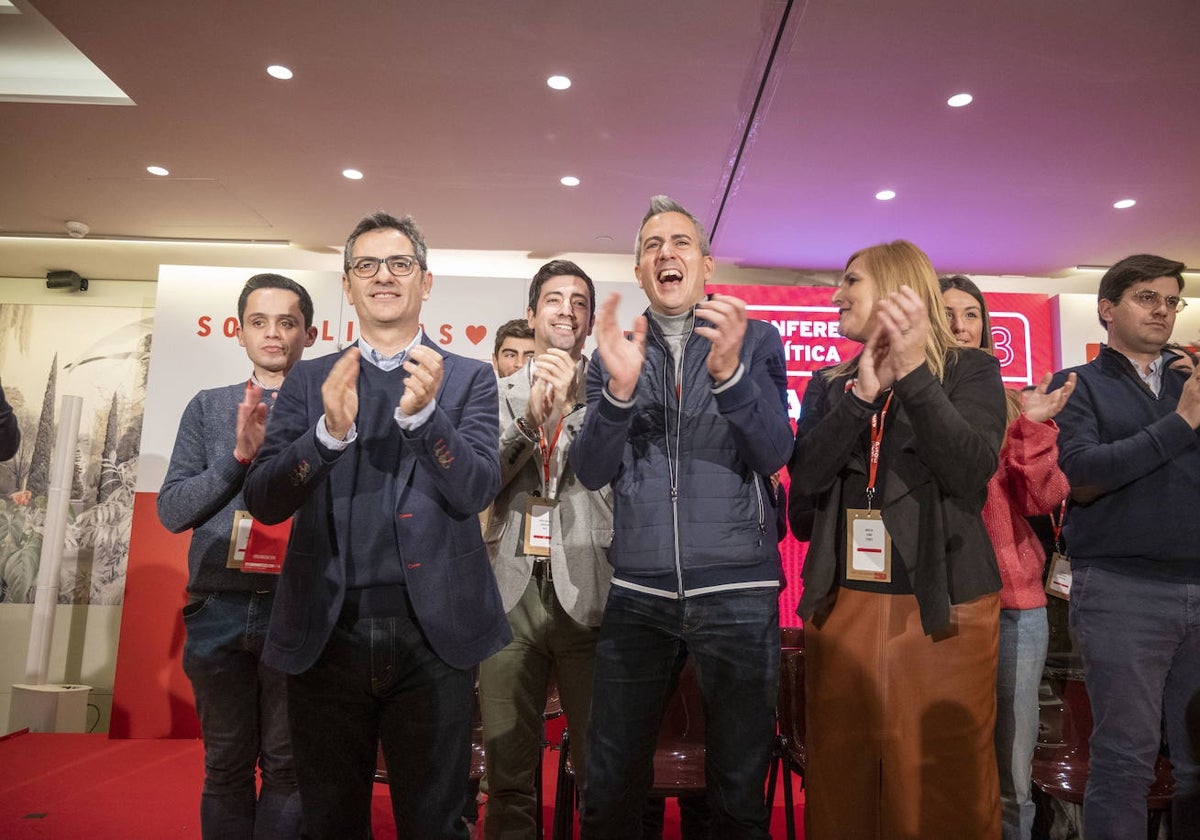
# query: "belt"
541,568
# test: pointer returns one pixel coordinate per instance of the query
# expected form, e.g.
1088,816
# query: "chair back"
679,754
790,708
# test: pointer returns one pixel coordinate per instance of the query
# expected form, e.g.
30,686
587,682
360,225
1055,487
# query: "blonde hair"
901,263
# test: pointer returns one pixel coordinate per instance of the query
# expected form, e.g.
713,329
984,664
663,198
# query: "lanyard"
877,421
547,449
1056,524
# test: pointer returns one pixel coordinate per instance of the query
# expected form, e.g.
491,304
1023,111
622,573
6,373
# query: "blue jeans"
733,640
242,705
379,682
1024,636
1140,641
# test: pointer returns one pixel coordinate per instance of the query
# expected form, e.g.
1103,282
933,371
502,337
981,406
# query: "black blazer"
449,470
941,445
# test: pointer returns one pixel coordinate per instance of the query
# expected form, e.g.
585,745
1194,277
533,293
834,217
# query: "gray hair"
660,204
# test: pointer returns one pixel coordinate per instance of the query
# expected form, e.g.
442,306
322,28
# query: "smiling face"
855,300
385,302
563,318
965,316
1135,330
273,333
670,269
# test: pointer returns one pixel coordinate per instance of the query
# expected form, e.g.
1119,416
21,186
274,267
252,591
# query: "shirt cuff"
412,422
329,441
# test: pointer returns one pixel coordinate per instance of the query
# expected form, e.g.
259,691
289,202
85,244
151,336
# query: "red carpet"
71,786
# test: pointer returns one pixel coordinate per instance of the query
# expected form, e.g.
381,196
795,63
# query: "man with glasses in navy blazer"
383,454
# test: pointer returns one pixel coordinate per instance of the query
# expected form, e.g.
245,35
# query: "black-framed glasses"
1150,299
399,265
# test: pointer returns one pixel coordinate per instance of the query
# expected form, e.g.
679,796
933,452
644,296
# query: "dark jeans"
693,818
1140,641
378,681
733,640
242,705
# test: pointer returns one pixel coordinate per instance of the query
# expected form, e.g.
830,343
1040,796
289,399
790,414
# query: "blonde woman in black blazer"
900,655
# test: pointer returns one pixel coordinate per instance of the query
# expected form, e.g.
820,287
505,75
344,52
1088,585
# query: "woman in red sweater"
1028,482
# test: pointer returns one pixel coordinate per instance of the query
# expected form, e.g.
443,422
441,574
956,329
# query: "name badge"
868,547
1058,582
537,526
242,522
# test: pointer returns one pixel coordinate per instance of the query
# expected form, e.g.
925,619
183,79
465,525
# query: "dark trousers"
733,641
1140,641
378,681
242,706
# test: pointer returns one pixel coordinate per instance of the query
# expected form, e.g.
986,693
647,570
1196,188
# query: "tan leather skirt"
900,724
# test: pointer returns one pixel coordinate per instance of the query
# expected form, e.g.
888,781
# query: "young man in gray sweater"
241,701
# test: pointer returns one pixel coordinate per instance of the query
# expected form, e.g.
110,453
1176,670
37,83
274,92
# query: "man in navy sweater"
241,702
1128,443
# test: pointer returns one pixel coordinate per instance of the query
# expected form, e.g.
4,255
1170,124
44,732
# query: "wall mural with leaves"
102,355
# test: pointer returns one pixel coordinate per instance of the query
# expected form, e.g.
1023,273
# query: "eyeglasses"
1150,299
400,265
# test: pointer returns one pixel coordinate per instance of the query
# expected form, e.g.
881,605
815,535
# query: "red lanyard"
877,420
1056,524
547,452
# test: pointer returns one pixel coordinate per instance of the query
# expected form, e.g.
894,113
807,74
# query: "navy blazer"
449,471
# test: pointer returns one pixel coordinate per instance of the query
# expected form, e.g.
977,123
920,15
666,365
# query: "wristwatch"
534,435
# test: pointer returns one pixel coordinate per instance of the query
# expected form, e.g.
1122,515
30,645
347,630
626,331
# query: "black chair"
790,753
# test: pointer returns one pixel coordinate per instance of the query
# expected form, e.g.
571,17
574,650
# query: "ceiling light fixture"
1124,203
352,174
279,72
960,100
569,181
558,82
885,195
161,171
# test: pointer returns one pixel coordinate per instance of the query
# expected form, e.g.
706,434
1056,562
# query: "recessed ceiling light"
958,100
352,174
279,71
1124,203
885,195
157,170
559,82
569,181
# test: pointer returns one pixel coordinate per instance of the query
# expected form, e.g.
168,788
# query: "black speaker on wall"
66,280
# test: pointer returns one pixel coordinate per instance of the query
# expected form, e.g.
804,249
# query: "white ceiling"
775,122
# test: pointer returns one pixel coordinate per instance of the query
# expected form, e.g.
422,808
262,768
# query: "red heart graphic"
476,333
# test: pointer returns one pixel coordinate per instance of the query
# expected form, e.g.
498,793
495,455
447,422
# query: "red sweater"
1028,482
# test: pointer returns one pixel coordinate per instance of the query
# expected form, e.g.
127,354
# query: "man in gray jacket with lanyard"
547,538
687,421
